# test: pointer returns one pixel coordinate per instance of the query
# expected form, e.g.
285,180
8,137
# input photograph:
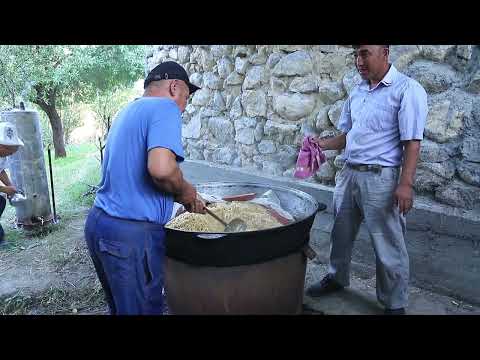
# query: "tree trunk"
55,121
57,128
57,132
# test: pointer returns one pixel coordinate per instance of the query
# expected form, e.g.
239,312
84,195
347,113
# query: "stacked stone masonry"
257,102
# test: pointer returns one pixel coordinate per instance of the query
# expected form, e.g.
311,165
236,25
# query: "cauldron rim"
300,193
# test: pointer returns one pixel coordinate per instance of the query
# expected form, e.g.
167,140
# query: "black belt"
367,167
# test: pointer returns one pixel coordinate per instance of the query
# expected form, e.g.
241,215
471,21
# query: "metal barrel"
27,169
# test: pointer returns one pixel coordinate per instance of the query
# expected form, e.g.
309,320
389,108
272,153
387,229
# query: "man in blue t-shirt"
140,181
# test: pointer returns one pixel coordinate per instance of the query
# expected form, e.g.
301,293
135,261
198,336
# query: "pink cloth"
309,159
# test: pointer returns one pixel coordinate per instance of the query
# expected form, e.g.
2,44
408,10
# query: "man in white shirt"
9,144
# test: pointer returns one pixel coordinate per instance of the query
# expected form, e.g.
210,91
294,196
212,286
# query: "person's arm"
412,118
334,143
167,176
403,197
344,125
8,188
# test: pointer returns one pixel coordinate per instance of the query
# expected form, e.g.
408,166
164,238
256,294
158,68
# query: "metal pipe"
51,183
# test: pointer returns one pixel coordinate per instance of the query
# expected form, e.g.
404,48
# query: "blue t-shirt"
127,189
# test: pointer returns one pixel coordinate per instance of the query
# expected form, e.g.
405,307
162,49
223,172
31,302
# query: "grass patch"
71,176
56,301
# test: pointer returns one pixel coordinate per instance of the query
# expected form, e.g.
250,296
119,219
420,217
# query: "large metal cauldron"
253,272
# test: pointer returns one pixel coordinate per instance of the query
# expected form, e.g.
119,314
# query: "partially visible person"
9,144
140,181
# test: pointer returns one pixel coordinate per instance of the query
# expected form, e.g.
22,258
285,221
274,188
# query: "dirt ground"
45,278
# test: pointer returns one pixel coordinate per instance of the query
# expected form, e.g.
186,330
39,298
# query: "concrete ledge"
426,214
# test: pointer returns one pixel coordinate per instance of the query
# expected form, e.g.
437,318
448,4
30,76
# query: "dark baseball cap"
169,70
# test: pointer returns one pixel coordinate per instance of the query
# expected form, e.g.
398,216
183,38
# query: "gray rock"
403,55
212,81
432,152
260,57
196,79
190,109
207,112
469,172
183,54
280,132
291,48
351,79
241,65
474,85
330,92
297,63
224,155
202,97
173,54
426,181
322,122
258,131
335,112
192,130
330,154
221,129
219,51
436,52
241,51
245,122
266,147
339,161
471,149
332,65
254,102
443,124
225,67
304,85
255,78
432,76
273,60
245,136
293,106
218,102
464,51
206,59
326,173
458,194
444,169
286,156
196,154
277,86
236,110
234,79
289,173
248,150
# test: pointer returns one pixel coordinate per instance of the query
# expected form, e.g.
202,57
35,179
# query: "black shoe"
325,286
399,311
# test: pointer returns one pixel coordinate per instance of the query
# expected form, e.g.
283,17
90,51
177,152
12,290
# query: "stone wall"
258,101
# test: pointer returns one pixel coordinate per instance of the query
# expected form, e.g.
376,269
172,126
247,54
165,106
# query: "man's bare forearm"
4,178
335,143
410,158
174,184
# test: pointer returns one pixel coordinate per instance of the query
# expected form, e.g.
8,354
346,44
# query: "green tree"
51,75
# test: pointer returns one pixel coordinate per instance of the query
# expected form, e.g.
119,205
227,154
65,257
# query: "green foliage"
55,77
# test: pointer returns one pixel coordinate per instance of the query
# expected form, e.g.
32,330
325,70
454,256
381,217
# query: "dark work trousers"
3,203
128,257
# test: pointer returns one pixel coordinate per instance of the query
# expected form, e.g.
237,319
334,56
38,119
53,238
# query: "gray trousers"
368,196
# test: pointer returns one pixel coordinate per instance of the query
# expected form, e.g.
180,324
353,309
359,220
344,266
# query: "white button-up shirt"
376,120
